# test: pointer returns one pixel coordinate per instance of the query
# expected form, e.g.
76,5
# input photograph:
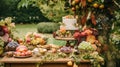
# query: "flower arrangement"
6,29
33,39
6,32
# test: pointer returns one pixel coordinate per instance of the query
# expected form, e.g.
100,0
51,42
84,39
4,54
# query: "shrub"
47,27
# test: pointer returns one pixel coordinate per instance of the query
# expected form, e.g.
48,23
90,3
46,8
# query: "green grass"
24,28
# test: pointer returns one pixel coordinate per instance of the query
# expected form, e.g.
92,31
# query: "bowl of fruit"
22,52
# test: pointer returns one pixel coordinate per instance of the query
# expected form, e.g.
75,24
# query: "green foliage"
31,14
116,28
8,8
53,10
47,27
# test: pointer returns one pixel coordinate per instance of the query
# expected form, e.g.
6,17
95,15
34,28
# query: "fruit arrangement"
90,36
22,51
79,4
33,39
63,33
89,10
6,29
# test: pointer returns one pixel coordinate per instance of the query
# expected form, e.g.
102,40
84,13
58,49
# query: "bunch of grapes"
85,46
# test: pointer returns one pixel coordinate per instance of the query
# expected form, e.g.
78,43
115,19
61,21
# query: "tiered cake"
69,22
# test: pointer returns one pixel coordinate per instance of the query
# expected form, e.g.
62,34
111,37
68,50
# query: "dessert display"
88,31
86,46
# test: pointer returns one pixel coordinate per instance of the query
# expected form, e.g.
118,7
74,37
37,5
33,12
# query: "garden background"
46,18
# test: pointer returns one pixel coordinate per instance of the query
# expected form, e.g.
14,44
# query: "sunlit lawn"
24,28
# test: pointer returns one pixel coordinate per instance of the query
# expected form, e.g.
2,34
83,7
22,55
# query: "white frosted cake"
69,22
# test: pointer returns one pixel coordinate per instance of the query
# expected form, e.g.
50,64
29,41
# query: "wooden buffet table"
32,62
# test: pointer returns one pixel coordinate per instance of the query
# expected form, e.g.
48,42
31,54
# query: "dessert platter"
80,45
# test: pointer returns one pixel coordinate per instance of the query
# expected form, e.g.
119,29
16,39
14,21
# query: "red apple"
76,35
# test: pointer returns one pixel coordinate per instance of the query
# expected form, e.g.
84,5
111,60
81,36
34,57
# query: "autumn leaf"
83,2
93,19
84,19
